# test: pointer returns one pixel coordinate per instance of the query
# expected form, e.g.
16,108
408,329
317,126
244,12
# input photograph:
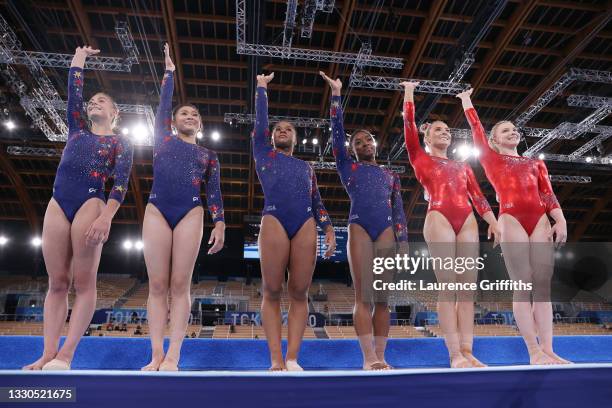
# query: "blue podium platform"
105,374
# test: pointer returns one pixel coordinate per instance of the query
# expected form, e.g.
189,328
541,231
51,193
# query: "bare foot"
459,361
38,364
555,356
473,360
292,365
376,366
57,364
154,364
541,358
169,364
277,367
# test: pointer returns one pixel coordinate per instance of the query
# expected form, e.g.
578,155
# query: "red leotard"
522,184
447,183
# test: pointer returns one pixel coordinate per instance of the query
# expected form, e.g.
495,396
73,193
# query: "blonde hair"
425,128
492,142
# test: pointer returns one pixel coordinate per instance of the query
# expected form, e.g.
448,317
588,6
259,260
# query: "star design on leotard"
77,74
121,189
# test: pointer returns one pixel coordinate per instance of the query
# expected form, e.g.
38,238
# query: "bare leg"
157,239
515,244
57,252
467,247
440,238
186,239
542,261
274,247
302,259
360,254
85,261
380,321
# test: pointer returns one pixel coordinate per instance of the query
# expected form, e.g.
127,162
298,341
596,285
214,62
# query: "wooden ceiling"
526,50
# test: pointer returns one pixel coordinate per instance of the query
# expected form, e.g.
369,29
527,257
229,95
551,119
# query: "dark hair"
182,105
356,132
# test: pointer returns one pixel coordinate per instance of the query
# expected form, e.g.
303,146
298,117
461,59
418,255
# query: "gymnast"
450,228
376,220
525,198
78,217
288,236
173,222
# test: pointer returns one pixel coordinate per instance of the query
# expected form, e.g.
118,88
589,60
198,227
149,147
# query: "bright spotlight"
304,141
125,131
464,151
140,133
127,244
541,156
199,135
10,125
589,159
138,245
36,241
215,135
315,141
3,240
475,152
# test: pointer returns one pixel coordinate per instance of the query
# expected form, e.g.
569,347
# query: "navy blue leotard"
375,192
88,160
289,184
179,168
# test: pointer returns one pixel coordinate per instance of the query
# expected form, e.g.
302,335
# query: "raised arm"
478,132
261,133
214,199
163,118
397,212
411,133
339,150
74,112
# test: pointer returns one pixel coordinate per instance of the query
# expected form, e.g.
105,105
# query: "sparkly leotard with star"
88,160
521,183
179,168
447,183
375,192
289,184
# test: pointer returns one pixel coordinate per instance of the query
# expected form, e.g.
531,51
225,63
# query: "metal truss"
576,159
392,83
127,42
289,25
585,125
310,10
244,118
594,142
301,53
33,151
561,178
330,165
588,101
574,74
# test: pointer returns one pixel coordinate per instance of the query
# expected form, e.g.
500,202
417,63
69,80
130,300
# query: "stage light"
199,135
215,135
140,133
541,156
10,125
475,152
138,245
589,159
127,244
464,151
3,240
125,131
315,141
36,242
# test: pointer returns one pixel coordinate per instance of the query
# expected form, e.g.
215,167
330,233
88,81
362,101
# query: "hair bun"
423,128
